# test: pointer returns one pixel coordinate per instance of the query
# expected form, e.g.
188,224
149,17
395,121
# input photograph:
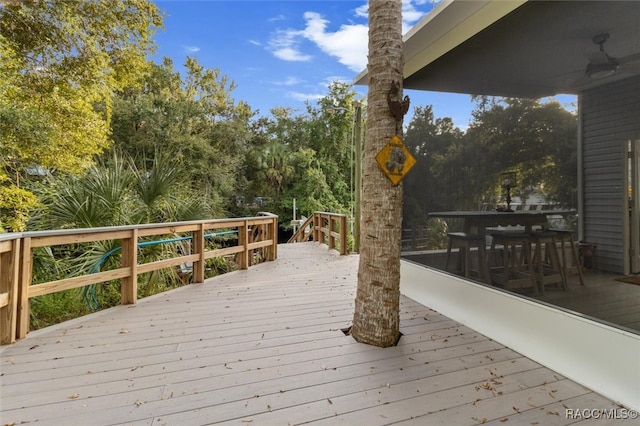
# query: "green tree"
536,139
430,186
304,157
195,118
61,62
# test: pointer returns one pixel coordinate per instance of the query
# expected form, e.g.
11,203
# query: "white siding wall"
610,117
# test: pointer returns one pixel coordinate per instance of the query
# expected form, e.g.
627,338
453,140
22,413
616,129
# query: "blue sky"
281,53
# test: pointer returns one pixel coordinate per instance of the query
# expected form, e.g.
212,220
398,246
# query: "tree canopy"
461,170
61,62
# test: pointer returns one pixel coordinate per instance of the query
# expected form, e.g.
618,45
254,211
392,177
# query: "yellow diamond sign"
395,160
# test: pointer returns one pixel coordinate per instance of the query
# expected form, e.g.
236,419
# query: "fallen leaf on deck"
74,396
124,331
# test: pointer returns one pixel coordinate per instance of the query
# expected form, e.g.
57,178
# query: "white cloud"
191,49
299,96
348,44
255,42
289,81
285,46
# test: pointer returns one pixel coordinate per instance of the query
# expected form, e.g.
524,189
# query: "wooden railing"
258,233
324,228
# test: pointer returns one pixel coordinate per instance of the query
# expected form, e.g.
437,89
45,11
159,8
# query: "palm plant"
115,192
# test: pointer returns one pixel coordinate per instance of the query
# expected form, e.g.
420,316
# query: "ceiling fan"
601,64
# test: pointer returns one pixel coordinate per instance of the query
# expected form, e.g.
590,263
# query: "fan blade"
629,58
631,68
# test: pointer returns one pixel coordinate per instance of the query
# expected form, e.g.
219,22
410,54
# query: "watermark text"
601,413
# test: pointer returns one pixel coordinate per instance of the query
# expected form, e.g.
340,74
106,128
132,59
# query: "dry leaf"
74,396
138,403
329,400
124,331
504,420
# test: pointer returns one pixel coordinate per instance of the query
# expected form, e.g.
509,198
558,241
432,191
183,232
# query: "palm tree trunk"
377,320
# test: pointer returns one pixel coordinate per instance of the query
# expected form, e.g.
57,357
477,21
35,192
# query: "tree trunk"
377,319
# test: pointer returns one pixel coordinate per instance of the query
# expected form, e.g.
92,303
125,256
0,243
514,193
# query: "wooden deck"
264,346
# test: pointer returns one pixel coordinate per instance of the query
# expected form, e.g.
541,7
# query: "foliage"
432,185
192,116
60,63
461,171
15,205
535,139
307,157
112,192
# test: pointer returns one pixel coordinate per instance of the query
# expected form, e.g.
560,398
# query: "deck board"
265,347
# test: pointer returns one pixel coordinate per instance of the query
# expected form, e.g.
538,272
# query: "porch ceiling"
515,48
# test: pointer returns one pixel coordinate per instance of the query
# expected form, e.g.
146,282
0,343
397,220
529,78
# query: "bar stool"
464,242
516,269
566,236
551,272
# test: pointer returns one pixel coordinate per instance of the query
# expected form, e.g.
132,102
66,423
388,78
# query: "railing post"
274,232
129,284
330,228
198,248
317,224
343,235
24,281
9,269
243,241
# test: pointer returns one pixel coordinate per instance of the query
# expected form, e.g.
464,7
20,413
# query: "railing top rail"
11,236
266,214
107,229
331,214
